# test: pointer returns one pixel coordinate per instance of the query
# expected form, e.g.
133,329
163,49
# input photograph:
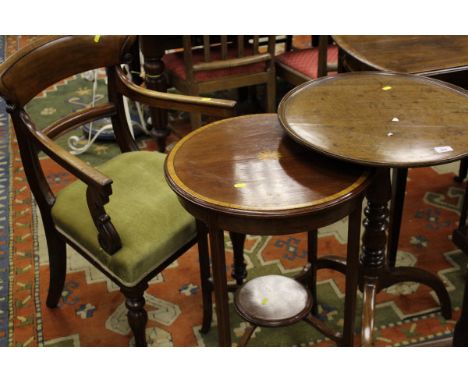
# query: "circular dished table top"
379,119
248,166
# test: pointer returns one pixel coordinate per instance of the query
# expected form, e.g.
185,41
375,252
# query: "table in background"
386,121
153,49
441,57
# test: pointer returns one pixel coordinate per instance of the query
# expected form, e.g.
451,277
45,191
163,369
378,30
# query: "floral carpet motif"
92,312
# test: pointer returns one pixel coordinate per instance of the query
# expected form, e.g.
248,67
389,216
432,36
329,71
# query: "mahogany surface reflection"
379,119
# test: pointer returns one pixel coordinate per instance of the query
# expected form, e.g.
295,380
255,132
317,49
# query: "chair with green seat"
121,216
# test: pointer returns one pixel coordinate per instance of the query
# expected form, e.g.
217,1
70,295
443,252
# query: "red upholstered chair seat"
305,61
174,63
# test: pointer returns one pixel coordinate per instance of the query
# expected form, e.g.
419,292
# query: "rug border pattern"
5,179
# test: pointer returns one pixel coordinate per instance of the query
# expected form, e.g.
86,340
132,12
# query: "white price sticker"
443,149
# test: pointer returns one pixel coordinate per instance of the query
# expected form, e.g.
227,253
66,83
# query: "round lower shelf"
273,301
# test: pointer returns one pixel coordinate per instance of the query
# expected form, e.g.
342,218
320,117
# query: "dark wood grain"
379,119
250,164
429,55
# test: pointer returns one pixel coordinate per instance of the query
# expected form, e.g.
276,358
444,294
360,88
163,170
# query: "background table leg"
312,242
396,213
460,335
220,285
153,51
239,271
352,276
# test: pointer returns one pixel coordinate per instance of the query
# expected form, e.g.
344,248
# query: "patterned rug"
92,311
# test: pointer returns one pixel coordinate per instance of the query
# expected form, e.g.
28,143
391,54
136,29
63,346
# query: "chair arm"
209,106
99,185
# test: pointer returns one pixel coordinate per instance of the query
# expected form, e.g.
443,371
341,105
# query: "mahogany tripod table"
245,175
382,120
441,57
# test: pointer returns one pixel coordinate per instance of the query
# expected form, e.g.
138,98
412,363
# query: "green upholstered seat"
145,211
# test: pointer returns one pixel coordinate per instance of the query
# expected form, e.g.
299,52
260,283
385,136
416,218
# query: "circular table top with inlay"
249,166
379,119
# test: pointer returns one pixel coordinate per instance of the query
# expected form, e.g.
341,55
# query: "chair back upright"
317,59
217,52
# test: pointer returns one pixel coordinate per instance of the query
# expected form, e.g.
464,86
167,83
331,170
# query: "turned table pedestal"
385,121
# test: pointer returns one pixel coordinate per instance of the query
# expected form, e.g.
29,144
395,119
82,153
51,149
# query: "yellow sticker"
206,99
240,185
264,301
386,88
97,38
265,155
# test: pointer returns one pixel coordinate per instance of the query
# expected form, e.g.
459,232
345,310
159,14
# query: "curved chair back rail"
51,59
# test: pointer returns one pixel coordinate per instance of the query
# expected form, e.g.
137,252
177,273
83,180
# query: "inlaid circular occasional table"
245,175
382,120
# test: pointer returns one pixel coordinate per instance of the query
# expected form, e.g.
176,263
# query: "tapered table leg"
220,285
312,242
205,273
